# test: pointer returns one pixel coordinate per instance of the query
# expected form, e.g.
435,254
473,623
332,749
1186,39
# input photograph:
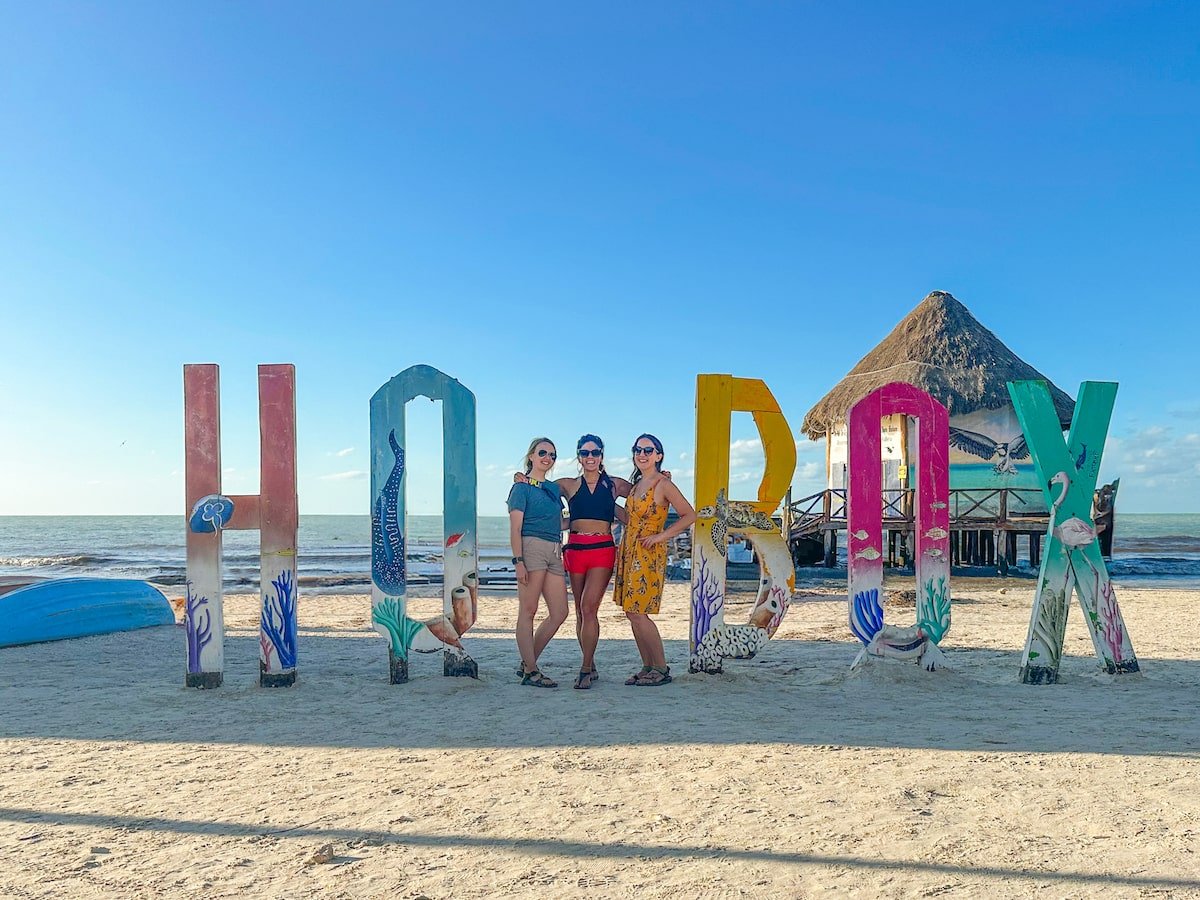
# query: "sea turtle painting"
733,516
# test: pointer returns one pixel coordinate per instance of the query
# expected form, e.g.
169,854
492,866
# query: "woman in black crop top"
590,553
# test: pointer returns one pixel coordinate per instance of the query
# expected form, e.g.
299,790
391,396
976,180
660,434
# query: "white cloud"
1155,466
340,453
352,475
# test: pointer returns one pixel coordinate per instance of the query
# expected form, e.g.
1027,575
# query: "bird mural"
986,448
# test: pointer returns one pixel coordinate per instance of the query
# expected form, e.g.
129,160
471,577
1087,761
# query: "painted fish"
867,553
387,539
860,535
937,505
937,534
934,552
454,539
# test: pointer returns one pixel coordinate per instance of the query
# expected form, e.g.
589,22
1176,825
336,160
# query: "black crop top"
599,504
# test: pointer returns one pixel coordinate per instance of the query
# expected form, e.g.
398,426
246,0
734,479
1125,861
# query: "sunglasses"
549,453
583,454
646,450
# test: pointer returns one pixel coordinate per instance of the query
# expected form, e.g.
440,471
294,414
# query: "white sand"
787,776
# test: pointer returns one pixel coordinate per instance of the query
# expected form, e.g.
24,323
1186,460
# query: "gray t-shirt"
542,506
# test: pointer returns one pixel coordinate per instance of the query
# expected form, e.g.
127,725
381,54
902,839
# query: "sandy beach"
787,776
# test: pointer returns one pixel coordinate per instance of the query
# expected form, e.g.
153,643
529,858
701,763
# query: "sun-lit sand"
787,776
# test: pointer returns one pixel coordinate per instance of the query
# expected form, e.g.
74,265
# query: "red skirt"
589,551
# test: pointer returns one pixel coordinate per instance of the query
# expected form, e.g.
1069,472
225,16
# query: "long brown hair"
637,473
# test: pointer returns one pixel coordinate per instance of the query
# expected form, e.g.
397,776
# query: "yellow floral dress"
640,570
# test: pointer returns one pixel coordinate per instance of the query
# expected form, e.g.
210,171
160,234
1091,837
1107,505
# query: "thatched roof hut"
944,350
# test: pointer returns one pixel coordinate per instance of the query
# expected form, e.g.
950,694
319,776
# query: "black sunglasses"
549,453
646,450
585,453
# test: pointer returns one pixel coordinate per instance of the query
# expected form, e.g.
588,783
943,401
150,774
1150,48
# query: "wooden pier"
985,524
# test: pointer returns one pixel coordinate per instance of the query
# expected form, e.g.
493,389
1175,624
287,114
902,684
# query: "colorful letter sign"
389,606
1072,559
717,397
864,526
273,511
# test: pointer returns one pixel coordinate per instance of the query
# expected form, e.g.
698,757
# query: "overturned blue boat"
60,608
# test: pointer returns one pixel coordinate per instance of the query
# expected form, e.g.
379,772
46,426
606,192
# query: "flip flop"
583,681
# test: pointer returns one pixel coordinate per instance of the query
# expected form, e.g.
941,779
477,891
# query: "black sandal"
656,677
536,679
583,681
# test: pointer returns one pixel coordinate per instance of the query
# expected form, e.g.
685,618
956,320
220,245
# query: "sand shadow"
130,687
617,850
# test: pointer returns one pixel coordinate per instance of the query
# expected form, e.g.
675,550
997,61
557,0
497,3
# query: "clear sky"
574,210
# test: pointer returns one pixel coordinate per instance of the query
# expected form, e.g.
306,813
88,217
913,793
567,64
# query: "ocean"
334,552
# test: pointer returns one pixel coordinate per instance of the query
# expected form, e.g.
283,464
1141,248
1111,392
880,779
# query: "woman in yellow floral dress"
642,561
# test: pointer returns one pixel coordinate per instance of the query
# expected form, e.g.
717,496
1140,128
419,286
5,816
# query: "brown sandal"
535,678
633,679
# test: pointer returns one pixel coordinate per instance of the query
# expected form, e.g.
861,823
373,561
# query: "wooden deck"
985,524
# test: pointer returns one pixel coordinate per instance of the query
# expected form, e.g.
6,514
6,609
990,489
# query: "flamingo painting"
1074,533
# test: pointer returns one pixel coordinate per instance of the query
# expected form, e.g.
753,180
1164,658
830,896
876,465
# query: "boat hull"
64,608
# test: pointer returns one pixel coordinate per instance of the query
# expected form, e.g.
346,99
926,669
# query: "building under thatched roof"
944,350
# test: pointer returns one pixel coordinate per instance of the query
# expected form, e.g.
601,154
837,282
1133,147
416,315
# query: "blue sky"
574,211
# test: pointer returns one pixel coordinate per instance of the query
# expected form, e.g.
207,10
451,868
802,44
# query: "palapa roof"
944,350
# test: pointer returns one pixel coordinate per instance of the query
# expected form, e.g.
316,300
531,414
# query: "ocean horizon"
334,552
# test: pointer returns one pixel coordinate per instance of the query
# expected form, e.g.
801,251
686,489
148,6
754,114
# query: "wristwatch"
517,559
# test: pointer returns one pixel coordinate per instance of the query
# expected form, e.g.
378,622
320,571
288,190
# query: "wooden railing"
969,507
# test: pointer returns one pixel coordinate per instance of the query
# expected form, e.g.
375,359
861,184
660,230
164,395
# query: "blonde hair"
533,446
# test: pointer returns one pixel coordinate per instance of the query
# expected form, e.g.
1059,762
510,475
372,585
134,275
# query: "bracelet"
518,559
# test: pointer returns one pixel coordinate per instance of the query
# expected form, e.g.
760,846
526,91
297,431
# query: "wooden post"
273,511
1072,560
711,640
279,521
460,556
864,525
204,610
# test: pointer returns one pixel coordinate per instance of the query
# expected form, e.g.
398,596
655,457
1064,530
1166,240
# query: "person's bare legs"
578,580
587,612
649,641
528,595
554,589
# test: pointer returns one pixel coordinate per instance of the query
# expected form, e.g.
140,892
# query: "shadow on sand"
576,849
130,687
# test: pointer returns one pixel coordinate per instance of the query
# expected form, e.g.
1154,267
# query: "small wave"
1158,567
68,560
1167,543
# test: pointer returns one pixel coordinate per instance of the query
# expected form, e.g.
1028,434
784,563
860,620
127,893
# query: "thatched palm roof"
942,349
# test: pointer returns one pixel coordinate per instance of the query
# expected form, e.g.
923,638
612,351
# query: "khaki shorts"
541,554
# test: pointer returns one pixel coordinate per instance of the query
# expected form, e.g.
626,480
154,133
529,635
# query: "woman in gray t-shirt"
535,530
